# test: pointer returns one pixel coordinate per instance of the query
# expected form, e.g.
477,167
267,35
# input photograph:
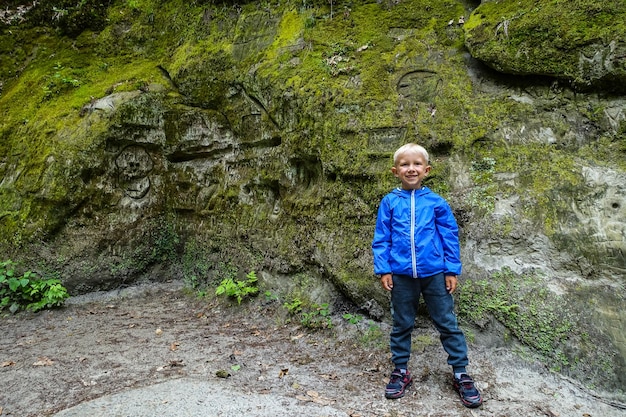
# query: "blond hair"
410,147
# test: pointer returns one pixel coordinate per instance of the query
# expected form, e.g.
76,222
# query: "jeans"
405,297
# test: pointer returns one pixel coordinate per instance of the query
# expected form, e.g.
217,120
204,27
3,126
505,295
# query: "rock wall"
197,141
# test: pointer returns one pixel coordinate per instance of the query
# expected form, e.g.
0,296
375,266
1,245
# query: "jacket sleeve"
449,232
381,245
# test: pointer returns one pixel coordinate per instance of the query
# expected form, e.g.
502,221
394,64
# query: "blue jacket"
416,235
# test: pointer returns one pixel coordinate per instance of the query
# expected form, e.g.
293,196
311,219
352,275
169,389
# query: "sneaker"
470,397
398,383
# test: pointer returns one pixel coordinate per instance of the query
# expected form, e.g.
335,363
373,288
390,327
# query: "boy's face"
411,168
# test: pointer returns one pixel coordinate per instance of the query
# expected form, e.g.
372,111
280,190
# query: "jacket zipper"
412,235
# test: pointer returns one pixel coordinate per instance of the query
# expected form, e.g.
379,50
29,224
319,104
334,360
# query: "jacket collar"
407,193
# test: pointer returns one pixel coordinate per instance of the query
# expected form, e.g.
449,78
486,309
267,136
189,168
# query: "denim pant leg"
440,306
405,297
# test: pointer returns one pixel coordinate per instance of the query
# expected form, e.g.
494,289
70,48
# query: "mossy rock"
583,42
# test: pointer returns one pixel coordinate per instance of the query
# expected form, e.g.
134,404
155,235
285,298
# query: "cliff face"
159,140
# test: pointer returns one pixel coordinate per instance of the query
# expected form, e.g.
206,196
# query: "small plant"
59,82
373,336
294,307
195,268
318,317
58,13
28,292
313,316
353,318
239,289
270,296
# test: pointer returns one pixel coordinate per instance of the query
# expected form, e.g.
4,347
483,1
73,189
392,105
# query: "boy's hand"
387,281
451,283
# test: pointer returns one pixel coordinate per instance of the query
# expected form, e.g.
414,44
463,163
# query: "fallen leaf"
283,372
297,336
314,396
174,346
322,401
176,363
5,364
222,374
44,361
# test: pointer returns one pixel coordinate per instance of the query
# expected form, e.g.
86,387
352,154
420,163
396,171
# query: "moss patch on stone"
576,41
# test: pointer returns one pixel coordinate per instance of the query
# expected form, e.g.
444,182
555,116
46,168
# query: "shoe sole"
471,405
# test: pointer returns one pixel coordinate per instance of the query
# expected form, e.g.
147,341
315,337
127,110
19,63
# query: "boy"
416,252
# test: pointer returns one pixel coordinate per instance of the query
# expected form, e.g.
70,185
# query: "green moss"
608,150
289,30
523,304
159,242
523,38
421,341
548,175
203,72
43,130
200,60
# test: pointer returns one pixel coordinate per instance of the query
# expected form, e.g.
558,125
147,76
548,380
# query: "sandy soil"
106,343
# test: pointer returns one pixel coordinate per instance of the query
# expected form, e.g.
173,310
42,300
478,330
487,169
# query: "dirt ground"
106,343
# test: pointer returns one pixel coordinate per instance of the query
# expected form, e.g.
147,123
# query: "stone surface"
581,42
